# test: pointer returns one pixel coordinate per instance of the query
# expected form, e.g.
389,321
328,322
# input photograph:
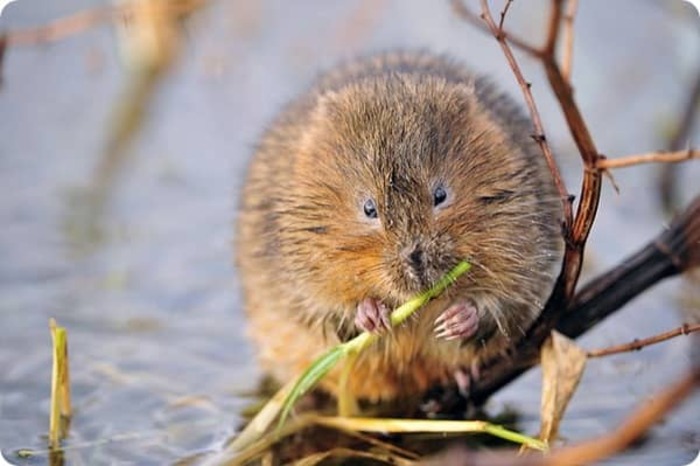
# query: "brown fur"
390,128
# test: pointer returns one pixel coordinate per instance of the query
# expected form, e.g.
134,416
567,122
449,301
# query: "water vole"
365,191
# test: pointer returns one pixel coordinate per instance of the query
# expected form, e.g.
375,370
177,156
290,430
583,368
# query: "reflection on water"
158,352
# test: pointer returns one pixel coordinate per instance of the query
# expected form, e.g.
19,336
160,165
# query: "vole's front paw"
372,316
457,321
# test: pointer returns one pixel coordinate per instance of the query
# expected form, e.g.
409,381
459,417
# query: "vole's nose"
415,257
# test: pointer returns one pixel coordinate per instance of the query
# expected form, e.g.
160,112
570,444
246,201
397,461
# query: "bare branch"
568,57
592,178
577,230
469,16
501,370
539,135
553,29
662,157
672,252
636,345
504,12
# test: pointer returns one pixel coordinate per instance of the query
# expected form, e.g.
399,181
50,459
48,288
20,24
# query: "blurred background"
122,152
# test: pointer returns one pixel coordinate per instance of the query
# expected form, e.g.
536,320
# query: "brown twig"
568,56
662,157
672,252
637,344
523,354
539,135
578,230
461,10
553,29
504,12
592,178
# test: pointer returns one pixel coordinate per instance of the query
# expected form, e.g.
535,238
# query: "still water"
159,361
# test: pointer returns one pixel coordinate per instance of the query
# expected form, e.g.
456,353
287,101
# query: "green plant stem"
502,432
324,363
437,426
406,310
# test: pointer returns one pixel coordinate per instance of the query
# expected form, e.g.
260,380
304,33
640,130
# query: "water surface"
159,360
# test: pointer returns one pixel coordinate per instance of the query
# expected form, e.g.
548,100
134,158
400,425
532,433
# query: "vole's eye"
439,196
370,208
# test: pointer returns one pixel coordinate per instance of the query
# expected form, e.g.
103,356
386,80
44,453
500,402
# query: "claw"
372,316
459,321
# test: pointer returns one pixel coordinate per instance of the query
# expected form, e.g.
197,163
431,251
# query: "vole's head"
401,177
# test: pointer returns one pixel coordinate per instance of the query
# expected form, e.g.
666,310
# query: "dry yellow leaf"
563,363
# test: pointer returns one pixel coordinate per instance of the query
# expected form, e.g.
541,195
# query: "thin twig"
637,344
672,252
592,177
539,135
568,57
504,12
461,10
553,29
577,231
502,370
662,157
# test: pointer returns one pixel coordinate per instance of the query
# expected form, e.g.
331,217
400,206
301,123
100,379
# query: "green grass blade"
505,434
321,366
405,426
310,377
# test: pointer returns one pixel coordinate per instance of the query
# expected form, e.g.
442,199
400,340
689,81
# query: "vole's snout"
421,261
415,258
416,264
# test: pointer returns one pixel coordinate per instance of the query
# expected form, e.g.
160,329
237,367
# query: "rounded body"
374,183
